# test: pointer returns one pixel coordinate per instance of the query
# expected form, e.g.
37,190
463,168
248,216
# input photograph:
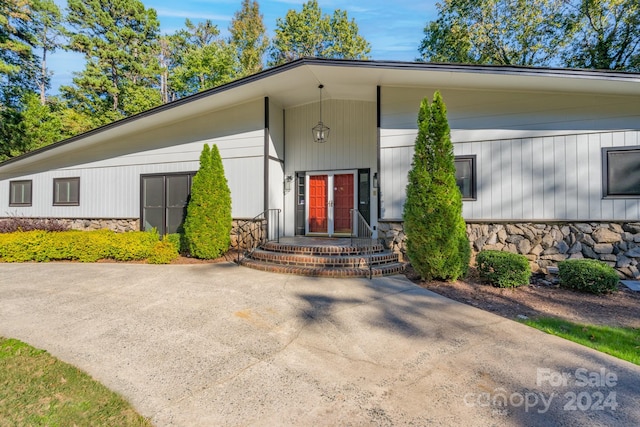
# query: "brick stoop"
322,258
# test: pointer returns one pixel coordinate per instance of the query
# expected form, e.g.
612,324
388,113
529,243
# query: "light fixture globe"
320,132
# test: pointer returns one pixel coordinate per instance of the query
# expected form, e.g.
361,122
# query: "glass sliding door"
164,200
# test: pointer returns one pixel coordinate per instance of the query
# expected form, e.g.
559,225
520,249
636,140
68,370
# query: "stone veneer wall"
615,243
119,225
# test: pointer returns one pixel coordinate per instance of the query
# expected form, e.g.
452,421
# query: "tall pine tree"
437,242
119,41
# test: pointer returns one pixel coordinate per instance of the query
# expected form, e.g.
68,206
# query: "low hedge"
163,252
83,246
588,275
503,269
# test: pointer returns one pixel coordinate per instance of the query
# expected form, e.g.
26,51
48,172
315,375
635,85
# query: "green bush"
163,252
208,223
24,246
588,275
132,246
84,246
437,242
179,240
503,269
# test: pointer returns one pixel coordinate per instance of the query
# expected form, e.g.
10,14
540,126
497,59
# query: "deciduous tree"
309,33
504,32
248,37
607,37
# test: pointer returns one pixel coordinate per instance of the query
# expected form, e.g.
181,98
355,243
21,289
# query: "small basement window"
66,191
620,166
20,193
466,176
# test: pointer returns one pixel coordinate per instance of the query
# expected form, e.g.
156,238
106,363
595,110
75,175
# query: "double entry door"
331,197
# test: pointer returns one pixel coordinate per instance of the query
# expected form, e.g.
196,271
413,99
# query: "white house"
545,149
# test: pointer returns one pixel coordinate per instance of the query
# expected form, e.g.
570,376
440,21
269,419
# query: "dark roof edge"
446,67
160,108
480,68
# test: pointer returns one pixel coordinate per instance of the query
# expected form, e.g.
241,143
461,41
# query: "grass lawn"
37,389
623,343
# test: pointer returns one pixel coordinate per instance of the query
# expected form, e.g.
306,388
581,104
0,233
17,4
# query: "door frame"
330,213
164,176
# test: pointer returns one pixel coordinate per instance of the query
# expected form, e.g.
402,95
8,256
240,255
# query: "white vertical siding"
276,189
540,178
538,154
276,131
352,142
110,181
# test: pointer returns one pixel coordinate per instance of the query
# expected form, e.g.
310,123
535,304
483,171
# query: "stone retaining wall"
119,225
544,245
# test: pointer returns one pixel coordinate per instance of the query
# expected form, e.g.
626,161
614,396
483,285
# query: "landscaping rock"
603,235
544,245
603,248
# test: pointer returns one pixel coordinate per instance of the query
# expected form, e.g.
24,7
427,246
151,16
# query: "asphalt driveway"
217,344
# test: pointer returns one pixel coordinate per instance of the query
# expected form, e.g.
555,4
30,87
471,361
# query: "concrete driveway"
217,344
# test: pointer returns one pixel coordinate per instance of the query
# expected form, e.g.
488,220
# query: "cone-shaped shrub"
207,226
437,242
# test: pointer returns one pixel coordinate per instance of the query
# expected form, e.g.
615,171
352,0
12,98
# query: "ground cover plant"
38,389
620,342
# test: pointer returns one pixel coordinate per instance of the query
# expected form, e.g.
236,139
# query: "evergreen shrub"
208,223
588,275
503,269
437,242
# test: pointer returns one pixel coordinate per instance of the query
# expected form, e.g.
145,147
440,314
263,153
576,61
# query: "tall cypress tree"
437,242
208,223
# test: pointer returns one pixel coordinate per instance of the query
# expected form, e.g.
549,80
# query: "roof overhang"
296,83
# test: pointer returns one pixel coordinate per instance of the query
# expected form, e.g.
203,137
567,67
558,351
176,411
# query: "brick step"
376,271
324,261
319,250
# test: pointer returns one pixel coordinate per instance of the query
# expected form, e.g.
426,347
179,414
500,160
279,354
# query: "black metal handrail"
255,232
362,238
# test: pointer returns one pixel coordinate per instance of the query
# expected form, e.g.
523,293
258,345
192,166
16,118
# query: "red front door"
342,202
318,220
330,202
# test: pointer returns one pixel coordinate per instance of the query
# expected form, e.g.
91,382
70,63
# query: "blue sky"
393,28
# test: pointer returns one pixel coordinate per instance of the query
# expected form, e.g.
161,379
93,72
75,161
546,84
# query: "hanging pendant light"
320,131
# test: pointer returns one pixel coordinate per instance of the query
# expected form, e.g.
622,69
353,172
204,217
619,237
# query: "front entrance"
331,197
